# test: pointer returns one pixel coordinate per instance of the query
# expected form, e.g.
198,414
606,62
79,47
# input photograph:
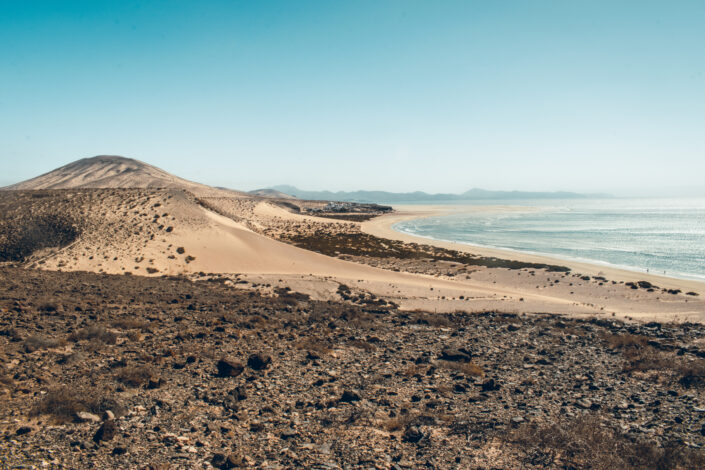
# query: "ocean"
661,236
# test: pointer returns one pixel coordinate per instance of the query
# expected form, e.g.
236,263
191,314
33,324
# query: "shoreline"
382,226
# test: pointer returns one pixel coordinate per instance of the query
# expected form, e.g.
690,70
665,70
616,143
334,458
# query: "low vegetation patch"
95,332
136,376
586,443
63,402
362,244
469,369
641,356
37,342
20,238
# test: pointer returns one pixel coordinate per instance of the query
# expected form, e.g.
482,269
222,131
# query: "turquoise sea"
663,236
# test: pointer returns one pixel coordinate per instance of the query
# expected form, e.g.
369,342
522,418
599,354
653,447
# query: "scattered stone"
232,460
455,355
349,396
490,385
412,434
153,383
259,361
105,432
23,430
306,412
228,367
288,433
584,403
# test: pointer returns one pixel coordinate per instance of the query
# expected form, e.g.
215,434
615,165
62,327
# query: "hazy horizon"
688,192
394,96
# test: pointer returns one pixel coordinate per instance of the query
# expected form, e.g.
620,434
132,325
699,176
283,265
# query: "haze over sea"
663,236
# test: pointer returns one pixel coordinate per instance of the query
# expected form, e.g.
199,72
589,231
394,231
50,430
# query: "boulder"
228,367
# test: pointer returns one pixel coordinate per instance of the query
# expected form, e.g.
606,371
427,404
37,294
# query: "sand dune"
170,232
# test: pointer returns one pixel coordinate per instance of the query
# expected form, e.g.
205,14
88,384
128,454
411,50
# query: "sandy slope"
227,246
157,232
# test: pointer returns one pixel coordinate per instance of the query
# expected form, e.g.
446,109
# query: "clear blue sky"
399,95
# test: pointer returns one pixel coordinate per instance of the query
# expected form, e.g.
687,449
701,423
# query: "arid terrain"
126,371
150,322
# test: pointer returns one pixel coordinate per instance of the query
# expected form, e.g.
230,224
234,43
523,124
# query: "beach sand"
382,227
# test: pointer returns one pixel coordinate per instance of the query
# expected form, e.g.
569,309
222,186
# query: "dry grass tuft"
37,342
130,324
63,402
314,345
468,369
135,376
361,344
94,332
623,341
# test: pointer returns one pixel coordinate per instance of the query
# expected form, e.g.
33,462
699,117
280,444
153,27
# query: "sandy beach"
382,227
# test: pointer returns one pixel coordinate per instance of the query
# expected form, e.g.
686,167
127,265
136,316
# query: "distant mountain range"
417,196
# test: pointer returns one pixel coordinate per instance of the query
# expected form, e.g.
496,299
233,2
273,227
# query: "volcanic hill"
108,171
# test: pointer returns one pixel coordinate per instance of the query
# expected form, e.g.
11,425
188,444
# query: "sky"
438,96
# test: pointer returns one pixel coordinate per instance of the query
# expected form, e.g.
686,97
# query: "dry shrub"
622,341
130,324
36,342
436,320
65,401
95,332
20,238
135,376
691,374
413,370
645,359
585,443
6,380
398,423
403,421
469,369
360,344
314,345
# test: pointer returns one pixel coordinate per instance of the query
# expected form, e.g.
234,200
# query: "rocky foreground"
111,371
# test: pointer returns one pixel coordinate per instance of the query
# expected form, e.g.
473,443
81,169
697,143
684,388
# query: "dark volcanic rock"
490,385
106,432
23,430
349,396
455,355
412,434
259,361
228,367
